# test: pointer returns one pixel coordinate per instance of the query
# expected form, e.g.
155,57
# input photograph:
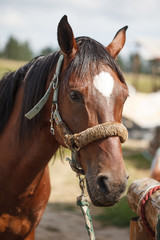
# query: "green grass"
52,229
63,206
118,215
136,159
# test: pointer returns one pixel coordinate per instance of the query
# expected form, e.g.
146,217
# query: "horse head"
92,92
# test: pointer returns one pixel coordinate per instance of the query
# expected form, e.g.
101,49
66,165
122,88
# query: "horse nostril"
102,184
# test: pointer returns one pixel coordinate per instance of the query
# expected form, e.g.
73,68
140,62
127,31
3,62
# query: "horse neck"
28,157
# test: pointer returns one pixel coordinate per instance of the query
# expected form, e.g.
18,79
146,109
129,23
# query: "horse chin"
100,200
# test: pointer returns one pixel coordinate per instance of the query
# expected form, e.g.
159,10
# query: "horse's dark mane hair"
9,85
35,74
34,89
89,56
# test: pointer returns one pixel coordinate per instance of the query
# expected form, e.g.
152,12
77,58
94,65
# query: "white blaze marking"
104,83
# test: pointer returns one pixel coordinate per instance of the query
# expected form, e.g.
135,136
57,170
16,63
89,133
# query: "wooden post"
136,70
136,233
136,191
154,75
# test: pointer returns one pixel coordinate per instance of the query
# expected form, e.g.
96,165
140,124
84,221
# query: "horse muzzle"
103,191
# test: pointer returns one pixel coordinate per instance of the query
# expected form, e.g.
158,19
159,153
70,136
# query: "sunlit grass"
142,82
7,65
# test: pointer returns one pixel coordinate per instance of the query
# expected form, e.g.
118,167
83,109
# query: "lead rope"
83,203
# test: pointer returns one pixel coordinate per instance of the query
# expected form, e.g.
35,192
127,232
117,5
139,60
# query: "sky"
36,20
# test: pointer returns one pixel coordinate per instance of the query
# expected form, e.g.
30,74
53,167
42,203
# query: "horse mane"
34,89
33,76
90,54
9,85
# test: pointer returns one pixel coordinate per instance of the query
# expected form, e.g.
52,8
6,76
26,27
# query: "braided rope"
143,200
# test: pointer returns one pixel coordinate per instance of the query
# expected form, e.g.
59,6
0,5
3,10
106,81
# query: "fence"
144,199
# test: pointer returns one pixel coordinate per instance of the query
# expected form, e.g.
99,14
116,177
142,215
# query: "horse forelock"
89,58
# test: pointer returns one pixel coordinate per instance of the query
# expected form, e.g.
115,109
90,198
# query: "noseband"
76,141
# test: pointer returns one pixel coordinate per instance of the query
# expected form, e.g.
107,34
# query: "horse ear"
66,38
118,42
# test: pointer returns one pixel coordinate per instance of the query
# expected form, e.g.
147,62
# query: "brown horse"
92,91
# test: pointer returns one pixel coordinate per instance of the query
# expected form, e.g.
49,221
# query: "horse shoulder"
29,209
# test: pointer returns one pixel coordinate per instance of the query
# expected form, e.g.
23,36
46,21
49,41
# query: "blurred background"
29,28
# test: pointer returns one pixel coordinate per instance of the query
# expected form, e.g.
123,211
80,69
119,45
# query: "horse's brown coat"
19,226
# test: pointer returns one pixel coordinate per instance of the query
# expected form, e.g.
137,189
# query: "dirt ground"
63,222
60,225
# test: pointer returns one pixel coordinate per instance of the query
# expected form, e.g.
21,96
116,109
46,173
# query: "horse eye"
75,95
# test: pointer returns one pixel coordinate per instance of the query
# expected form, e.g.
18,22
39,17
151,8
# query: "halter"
76,141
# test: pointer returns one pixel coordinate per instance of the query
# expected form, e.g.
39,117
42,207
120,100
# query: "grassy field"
9,65
142,82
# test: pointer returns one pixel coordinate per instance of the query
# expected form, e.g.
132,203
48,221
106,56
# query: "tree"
47,51
16,50
121,63
25,51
